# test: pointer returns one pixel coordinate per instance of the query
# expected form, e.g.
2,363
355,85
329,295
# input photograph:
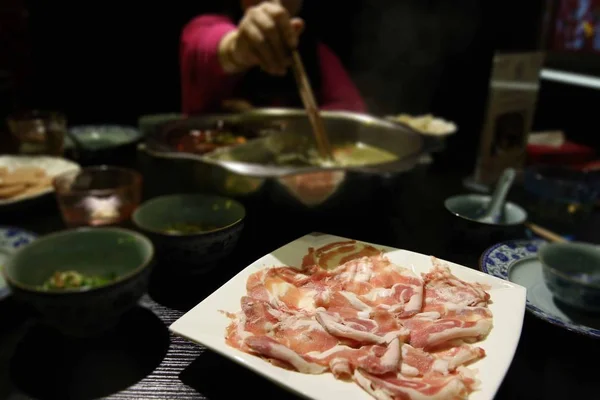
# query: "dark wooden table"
142,360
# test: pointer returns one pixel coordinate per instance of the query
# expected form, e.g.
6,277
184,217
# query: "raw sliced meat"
267,346
416,362
458,355
338,253
396,289
359,329
354,313
256,318
377,282
282,287
442,288
399,387
453,309
346,304
429,330
343,360
304,337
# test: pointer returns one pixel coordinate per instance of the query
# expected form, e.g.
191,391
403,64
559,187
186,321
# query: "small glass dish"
95,196
39,132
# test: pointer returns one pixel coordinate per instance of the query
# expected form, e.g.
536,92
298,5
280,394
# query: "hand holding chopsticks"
263,38
268,37
310,104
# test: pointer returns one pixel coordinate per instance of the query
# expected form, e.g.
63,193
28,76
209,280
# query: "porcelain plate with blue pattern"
517,261
11,239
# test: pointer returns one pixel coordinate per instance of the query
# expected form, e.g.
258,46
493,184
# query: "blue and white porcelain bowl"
11,240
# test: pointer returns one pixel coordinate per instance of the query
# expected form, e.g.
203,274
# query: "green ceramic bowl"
187,251
120,253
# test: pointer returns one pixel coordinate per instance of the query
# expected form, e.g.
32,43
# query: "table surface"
142,360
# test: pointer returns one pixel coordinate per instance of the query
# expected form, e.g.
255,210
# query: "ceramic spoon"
493,212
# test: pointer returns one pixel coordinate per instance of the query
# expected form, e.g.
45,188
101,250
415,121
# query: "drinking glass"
94,196
39,132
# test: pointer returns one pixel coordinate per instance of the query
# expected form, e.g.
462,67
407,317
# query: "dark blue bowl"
561,196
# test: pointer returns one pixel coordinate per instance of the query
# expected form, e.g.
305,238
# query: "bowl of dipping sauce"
572,273
191,232
81,281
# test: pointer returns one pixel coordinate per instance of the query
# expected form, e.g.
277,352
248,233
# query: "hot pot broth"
345,155
206,140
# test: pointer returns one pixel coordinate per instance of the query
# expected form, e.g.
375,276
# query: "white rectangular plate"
205,324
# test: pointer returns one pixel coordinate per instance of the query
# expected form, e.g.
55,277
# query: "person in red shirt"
244,54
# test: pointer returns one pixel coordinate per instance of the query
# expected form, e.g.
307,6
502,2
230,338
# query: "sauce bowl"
216,223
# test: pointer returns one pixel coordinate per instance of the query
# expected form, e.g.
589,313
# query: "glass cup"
95,196
39,132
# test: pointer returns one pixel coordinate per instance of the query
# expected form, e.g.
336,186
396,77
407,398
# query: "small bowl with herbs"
191,232
81,281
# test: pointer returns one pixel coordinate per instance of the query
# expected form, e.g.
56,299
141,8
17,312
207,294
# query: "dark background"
110,62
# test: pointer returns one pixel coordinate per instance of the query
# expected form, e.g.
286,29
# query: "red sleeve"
338,92
204,83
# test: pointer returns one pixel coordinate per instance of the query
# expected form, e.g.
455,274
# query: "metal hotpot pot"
249,171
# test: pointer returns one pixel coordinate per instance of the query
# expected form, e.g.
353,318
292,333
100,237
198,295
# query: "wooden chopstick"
545,233
310,104
312,109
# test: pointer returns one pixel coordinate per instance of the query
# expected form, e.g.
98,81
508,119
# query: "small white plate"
53,166
425,124
205,324
517,261
11,239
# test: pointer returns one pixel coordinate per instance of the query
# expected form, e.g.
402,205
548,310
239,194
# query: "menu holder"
513,91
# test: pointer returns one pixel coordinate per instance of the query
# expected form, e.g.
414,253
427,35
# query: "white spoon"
494,210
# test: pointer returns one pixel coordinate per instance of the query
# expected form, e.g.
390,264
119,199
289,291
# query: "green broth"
347,155
361,154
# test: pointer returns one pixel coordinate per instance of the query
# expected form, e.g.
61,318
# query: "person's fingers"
271,32
297,26
261,48
282,19
242,52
